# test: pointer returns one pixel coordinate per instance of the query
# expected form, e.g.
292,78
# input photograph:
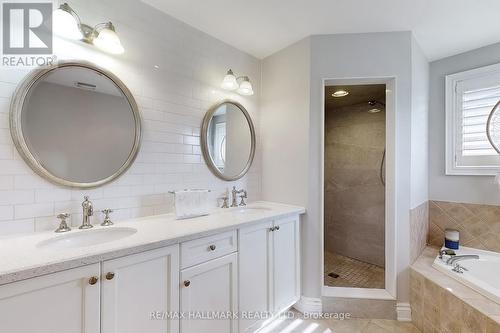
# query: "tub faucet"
459,269
88,211
455,259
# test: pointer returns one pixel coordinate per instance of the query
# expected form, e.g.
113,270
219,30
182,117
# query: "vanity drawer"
203,249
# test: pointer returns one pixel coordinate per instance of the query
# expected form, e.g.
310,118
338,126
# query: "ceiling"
262,27
357,94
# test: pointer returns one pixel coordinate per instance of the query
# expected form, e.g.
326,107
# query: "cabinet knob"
187,283
93,280
110,276
212,247
277,227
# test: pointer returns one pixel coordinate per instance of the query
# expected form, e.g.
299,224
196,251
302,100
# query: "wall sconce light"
230,82
68,24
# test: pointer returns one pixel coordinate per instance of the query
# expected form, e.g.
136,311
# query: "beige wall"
354,193
419,229
479,225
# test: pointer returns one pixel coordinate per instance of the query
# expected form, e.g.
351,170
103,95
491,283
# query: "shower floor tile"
352,273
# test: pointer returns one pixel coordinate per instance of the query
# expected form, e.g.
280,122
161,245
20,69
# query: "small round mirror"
493,127
228,140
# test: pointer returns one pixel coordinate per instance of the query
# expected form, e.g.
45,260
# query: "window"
470,97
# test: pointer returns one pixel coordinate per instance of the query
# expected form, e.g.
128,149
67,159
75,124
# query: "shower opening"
354,186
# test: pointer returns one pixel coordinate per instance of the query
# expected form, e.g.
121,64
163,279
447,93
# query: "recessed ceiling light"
374,111
340,93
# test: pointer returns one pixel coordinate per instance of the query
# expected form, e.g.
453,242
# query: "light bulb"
340,93
108,41
229,82
65,23
245,87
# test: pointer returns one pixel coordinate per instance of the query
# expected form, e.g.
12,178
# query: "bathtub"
482,275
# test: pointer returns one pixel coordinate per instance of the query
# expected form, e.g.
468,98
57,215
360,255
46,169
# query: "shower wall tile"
419,229
479,225
354,194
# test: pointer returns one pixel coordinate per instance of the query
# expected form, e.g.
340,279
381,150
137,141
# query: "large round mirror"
75,124
228,140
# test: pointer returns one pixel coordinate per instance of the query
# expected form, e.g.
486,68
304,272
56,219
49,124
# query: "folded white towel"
191,203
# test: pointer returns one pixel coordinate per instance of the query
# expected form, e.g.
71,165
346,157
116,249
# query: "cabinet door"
210,288
286,263
254,276
138,290
60,302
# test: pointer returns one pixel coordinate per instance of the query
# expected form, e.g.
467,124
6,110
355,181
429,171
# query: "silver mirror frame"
204,144
16,108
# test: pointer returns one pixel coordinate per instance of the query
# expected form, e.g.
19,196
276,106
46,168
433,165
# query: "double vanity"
230,271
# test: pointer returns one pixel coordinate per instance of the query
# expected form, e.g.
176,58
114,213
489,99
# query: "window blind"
476,107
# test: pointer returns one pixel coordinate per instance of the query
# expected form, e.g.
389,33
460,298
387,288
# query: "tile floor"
352,272
298,324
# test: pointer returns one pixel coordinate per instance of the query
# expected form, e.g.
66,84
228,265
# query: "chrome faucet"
63,225
243,197
235,193
88,211
459,269
225,199
455,259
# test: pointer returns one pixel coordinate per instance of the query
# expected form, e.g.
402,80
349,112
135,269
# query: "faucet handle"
243,197
63,226
225,203
107,220
63,216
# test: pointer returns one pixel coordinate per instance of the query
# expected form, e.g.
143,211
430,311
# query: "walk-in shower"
354,186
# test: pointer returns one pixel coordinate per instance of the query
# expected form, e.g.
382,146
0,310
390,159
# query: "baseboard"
309,305
403,311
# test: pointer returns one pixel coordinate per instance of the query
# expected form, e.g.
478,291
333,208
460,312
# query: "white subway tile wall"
172,98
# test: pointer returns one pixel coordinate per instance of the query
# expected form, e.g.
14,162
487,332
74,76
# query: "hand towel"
191,203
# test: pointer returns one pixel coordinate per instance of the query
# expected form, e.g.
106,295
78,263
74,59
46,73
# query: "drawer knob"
212,247
187,283
110,276
93,280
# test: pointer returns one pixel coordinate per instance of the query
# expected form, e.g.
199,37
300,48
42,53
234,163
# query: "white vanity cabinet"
228,282
286,263
66,301
209,290
269,270
209,284
140,291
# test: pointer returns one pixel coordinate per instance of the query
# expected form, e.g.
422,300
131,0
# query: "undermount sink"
250,210
88,237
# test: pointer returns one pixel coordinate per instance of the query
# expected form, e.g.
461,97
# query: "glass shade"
229,82
65,24
108,41
245,87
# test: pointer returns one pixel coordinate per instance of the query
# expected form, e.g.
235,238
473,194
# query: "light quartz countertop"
21,257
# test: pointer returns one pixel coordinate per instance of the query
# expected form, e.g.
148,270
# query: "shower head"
374,102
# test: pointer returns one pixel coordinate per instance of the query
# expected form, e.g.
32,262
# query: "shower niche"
354,186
